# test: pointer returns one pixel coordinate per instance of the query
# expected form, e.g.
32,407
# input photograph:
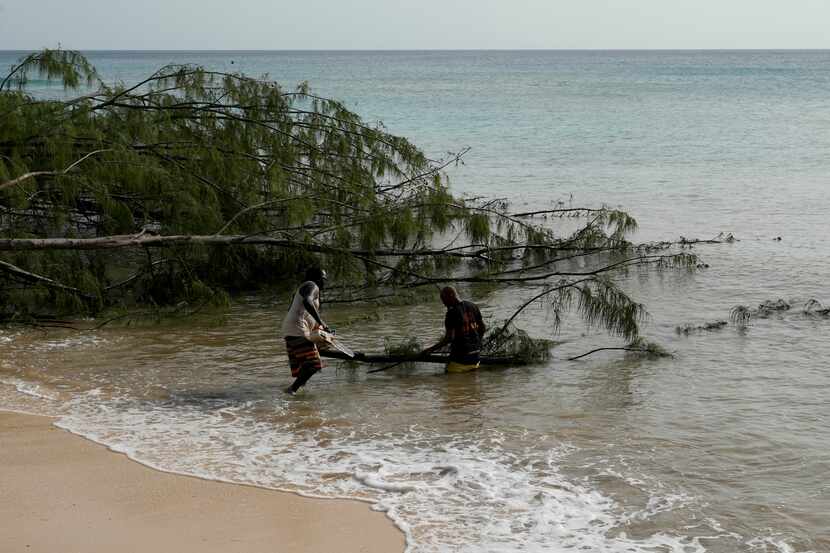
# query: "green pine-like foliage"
245,183
194,152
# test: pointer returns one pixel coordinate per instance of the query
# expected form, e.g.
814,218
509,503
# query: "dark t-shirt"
464,319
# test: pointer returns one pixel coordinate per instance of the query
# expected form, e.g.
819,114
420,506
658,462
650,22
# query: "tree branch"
638,350
455,158
429,358
522,307
556,211
48,282
33,174
149,267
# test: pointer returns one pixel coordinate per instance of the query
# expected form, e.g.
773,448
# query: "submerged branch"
430,358
593,351
638,346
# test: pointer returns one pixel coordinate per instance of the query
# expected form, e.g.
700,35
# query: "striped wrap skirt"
302,353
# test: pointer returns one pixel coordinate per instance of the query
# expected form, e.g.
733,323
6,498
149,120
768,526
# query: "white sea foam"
20,396
30,389
73,342
377,482
773,544
445,492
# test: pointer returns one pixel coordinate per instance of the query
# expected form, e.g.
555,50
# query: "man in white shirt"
302,319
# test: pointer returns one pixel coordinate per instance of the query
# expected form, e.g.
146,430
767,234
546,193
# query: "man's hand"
445,340
431,349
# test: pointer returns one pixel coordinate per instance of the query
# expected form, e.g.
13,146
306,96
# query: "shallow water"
722,448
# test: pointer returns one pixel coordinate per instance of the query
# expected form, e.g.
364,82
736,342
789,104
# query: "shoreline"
61,491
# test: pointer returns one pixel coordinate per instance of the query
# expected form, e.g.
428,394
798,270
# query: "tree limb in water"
646,349
431,358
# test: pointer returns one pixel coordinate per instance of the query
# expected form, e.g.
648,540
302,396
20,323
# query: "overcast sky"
413,24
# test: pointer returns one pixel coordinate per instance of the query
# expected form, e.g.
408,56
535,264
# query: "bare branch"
585,210
529,302
48,282
455,158
138,274
33,174
627,348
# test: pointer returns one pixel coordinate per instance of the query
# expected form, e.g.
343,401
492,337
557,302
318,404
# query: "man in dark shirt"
464,329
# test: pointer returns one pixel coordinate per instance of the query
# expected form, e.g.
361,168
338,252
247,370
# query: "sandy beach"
60,492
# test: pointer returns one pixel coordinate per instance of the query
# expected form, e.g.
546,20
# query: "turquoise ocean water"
723,448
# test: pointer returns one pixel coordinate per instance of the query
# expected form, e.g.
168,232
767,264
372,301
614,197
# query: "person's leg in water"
304,360
306,372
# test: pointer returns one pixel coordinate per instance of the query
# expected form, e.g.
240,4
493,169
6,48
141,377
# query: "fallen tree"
193,184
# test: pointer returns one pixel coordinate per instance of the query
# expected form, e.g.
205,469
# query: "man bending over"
464,329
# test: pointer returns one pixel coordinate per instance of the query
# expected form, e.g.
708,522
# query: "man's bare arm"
482,328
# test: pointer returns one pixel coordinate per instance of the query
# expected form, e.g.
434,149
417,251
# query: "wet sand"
60,492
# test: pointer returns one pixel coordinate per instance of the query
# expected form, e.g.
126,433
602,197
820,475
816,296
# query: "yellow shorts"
453,367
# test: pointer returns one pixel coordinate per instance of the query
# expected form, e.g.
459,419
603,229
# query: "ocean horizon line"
415,50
